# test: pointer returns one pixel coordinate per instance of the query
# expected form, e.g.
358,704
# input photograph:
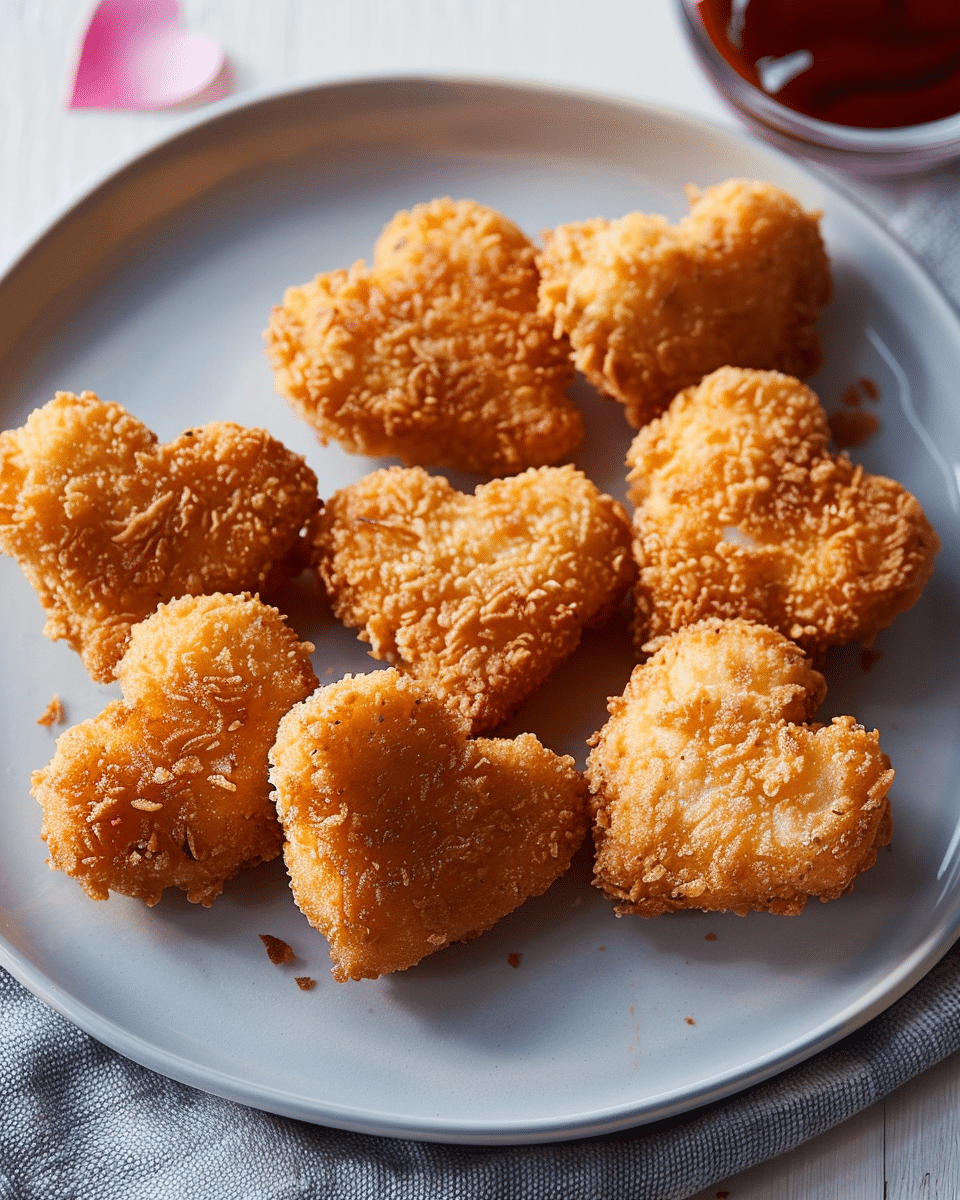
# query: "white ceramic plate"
153,291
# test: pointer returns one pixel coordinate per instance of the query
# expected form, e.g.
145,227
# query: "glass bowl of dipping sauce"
871,86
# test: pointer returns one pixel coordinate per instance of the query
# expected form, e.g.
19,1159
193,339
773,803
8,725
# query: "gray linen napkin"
80,1121
924,212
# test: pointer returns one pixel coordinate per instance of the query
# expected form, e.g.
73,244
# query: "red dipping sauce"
873,64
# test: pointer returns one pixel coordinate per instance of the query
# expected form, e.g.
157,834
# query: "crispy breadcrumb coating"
741,511
168,786
710,792
436,353
481,596
403,836
652,307
107,524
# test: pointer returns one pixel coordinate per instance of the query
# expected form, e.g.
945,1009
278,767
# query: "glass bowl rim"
929,136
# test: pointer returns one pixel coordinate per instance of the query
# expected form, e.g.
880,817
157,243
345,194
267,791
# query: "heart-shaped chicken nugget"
403,836
168,787
651,307
107,524
436,353
481,596
709,792
742,511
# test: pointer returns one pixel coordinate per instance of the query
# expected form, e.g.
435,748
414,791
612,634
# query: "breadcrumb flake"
278,951
53,714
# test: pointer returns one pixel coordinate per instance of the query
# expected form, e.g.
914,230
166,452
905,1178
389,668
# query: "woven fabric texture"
79,1120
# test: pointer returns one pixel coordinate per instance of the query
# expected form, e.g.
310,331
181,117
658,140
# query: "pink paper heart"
136,55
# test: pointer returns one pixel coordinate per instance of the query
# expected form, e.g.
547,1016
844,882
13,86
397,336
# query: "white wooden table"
905,1147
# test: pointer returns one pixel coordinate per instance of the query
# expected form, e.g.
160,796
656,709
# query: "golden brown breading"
651,307
481,596
168,787
106,523
743,512
436,353
401,835
710,792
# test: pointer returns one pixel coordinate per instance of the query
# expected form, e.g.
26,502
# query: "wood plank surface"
906,1148
845,1164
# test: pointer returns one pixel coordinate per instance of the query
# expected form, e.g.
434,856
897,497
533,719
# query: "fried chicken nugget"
741,511
401,835
650,307
168,787
436,353
709,792
106,523
481,596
